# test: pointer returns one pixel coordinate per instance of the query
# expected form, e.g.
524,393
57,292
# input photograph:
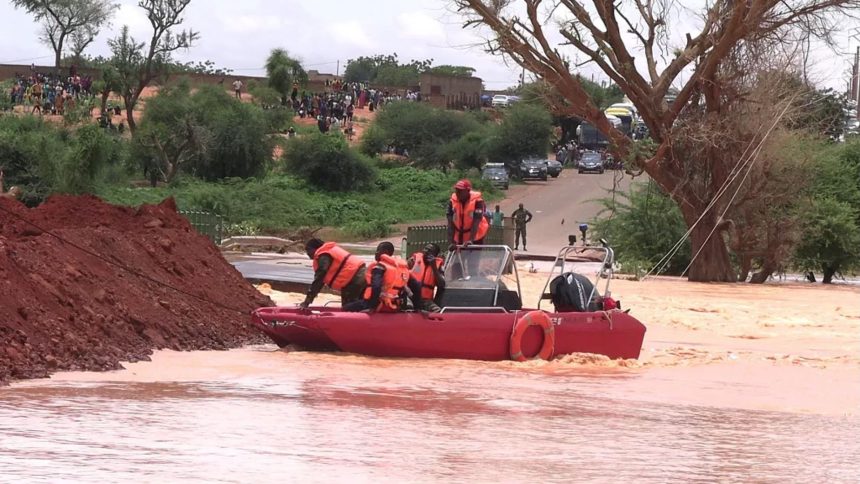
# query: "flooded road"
263,415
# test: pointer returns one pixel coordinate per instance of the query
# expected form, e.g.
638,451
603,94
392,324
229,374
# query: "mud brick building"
451,92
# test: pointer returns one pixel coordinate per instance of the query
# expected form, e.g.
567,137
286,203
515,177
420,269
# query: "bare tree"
615,36
61,20
138,64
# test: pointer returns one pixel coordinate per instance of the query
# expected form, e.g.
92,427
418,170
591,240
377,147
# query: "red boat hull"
462,335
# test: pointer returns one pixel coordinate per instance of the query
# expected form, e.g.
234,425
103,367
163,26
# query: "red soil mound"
64,309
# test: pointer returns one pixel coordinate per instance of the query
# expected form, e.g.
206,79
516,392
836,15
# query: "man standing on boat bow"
336,268
466,222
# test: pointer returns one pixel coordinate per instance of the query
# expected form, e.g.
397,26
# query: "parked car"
591,162
553,168
533,169
501,100
497,174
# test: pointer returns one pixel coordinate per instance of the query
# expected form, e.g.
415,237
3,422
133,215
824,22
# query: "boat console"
480,277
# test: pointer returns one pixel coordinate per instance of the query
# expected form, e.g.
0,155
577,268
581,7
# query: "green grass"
281,203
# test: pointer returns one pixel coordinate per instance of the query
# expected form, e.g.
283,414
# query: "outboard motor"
571,292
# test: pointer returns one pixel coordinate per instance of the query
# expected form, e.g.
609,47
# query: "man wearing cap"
466,222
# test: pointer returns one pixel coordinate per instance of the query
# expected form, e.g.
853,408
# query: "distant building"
451,92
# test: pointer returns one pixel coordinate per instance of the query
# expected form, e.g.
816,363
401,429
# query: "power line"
120,265
27,59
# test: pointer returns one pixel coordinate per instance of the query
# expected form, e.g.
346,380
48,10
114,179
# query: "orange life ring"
533,318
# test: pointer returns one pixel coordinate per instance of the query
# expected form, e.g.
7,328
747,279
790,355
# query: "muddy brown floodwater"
736,384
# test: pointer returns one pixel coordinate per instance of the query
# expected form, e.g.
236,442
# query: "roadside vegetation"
441,139
809,222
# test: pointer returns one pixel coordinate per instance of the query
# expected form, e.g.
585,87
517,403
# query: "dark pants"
520,231
419,303
354,291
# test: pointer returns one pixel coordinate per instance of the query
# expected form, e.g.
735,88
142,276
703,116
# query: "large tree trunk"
58,53
764,274
105,95
713,263
129,113
829,272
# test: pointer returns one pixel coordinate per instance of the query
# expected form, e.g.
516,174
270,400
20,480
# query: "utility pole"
855,83
337,72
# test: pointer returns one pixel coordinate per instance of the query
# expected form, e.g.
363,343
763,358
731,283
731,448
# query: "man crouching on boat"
336,268
386,283
425,278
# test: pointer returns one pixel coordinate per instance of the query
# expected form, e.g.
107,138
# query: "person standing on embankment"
521,217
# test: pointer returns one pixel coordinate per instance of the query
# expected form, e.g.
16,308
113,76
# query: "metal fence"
209,224
419,236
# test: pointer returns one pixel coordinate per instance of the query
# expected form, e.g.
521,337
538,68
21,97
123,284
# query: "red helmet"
463,185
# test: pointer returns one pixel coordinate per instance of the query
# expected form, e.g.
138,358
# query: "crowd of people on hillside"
47,93
334,109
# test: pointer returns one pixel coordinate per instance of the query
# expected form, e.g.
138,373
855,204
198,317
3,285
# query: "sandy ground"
791,346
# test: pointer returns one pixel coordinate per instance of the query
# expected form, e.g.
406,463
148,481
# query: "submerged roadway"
560,204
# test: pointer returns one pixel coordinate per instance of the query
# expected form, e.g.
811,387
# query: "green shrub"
525,131
374,140
423,131
470,151
245,228
339,212
831,237
373,229
208,133
327,162
31,154
830,234
264,96
642,226
80,112
277,119
91,151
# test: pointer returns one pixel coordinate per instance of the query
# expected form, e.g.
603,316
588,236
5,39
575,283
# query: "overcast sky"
238,34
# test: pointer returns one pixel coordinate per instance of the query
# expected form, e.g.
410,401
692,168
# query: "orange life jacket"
424,275
463,219
393,282
343,265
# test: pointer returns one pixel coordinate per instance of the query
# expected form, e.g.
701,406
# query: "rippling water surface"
259,415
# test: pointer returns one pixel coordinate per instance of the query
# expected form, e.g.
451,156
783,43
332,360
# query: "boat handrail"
606,270
471,308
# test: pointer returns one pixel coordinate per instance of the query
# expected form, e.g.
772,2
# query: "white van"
501,100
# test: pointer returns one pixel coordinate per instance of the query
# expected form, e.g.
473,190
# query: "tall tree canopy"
282,71
137,64
635,45
63,20
387,70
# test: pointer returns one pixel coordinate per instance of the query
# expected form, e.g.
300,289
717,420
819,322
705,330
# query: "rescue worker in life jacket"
336,268
466,222
425,276
386,283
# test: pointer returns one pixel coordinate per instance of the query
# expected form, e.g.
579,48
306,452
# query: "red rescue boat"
482,316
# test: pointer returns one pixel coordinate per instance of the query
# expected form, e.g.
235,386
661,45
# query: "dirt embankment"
64,309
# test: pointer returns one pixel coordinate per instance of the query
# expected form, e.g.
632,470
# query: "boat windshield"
478,266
